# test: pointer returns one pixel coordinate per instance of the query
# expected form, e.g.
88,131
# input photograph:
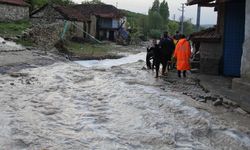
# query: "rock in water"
218,102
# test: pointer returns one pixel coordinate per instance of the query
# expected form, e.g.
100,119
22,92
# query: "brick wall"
210,57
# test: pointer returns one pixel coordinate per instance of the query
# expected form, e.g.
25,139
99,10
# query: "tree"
164,10
188,27
34,4
173,26
155,7
155,20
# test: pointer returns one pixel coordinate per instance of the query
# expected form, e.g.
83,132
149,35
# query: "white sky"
208,16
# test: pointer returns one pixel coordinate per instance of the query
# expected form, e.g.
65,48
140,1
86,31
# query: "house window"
115,23
105,23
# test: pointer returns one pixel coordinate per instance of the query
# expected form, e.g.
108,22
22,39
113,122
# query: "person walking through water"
167,45
182,55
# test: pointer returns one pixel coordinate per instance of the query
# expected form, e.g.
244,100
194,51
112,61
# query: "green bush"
155,34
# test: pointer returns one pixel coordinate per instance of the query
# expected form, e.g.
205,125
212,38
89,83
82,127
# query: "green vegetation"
13,28
155,23
89,51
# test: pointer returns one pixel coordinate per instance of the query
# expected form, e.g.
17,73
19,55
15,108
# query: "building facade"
98,20
233,26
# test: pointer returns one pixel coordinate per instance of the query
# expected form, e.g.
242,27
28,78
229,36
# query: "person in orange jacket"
182,55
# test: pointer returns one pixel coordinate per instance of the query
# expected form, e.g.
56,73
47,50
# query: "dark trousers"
184,73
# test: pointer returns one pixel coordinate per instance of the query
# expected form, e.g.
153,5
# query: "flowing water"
109,104
9,46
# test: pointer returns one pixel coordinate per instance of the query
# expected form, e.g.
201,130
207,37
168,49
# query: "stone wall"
13,13
245,62
210,57
46,36
47,15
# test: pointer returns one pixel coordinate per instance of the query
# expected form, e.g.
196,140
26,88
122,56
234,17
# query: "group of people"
168,49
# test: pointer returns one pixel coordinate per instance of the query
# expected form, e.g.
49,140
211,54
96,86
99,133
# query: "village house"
225,49
13,10
98,20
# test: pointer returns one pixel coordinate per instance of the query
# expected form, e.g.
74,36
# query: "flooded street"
112,104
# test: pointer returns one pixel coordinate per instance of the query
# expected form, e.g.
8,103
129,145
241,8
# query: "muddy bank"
18,60
69,106
108,56
77,51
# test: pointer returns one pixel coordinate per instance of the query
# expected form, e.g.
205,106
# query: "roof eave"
21,5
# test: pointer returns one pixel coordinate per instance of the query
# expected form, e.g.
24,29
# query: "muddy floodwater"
110,104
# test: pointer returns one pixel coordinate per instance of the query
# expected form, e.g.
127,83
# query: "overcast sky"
208,16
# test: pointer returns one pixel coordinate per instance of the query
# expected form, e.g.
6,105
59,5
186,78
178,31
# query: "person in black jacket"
167,45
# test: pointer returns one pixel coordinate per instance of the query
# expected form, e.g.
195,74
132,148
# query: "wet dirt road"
68,106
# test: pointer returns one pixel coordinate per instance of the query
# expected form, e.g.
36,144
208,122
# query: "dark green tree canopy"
155,7
164,10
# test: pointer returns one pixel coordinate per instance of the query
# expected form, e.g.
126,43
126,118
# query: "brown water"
67,106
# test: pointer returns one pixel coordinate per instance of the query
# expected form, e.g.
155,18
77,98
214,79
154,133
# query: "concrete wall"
93,25
245,62
13,13
76,31
210,57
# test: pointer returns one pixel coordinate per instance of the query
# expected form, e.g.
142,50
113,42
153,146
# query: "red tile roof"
83,12
102,10
71,14
14,2
209,34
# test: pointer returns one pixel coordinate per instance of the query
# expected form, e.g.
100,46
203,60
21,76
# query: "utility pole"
116,4
198,19
182,17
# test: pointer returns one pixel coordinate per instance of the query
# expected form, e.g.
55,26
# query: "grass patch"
88,50
13,28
